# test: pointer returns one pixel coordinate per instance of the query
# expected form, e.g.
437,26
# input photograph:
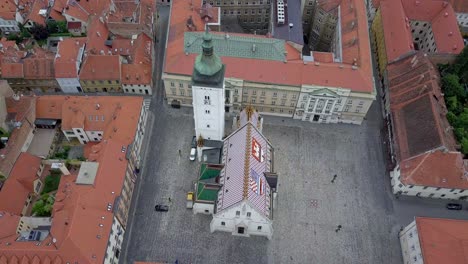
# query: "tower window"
207,111
208,125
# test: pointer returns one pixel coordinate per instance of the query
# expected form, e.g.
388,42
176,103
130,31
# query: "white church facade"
240,196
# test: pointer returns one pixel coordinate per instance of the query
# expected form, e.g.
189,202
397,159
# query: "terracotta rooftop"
424,142
19,183
101,67
356,50
140,69
120,114
39,65
443,240
81,10
11,63
34,14
66,58
7,9
397,14
460,6
81,223
18,111
9,223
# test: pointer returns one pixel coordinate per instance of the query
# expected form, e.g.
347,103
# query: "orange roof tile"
37,5
19,183
81,10
460,6
101,67
9,223
397,32
97,36
49,106
437,169
7,9
293,72
66,58
81,223
443,240
39,65
139,71
120,116
11,60
424,142
397,14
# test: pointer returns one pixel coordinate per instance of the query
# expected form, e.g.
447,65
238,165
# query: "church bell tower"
208,92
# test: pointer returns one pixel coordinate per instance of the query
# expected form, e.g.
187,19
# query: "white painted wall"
208,112
69,85
462,19
137,89
410,246
114,245
423,191
28,140
94,136
254,223
8,25
203,208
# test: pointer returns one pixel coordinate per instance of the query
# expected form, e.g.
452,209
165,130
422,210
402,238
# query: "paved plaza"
310,206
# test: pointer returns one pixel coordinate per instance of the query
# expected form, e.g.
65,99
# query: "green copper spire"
207,63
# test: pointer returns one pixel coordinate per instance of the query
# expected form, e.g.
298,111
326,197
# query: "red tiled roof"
139,71
81,223
74,25
81,10
101,67
460,6
40,65
9,223
19,183
397,14
11,60
397,32
7,9
293,72
34,13
66,58
424,142
435,169
120,116
443,240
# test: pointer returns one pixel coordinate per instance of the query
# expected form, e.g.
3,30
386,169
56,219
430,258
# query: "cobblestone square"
309,205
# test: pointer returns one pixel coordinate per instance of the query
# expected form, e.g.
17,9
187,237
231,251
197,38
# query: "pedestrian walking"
338,228
169,198
334,178
180,153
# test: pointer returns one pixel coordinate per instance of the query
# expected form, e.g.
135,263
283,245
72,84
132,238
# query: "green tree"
452,118
464,145
39,32
43,206
15,37
52,27
453,105
452,87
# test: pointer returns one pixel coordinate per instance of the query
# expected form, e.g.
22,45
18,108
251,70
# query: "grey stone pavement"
310,207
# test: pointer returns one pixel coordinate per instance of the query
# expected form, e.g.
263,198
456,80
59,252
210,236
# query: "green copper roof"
208,173
237,46
207,63
206,194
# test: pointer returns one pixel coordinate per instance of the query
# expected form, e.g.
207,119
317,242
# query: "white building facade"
410,245
242,220
114,245
208,92
331,105
400,188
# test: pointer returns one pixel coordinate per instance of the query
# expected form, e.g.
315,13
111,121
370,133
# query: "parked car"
194,142
454,206
161,208
193,154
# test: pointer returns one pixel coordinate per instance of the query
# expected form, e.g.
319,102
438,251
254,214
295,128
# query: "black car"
194,142
454,206
161,208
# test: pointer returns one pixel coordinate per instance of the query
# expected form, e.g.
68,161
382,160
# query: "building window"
181,85
259,228
273,102
263,93
253,100
172,84
223,223
207,111
237,213
249,214
275,94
